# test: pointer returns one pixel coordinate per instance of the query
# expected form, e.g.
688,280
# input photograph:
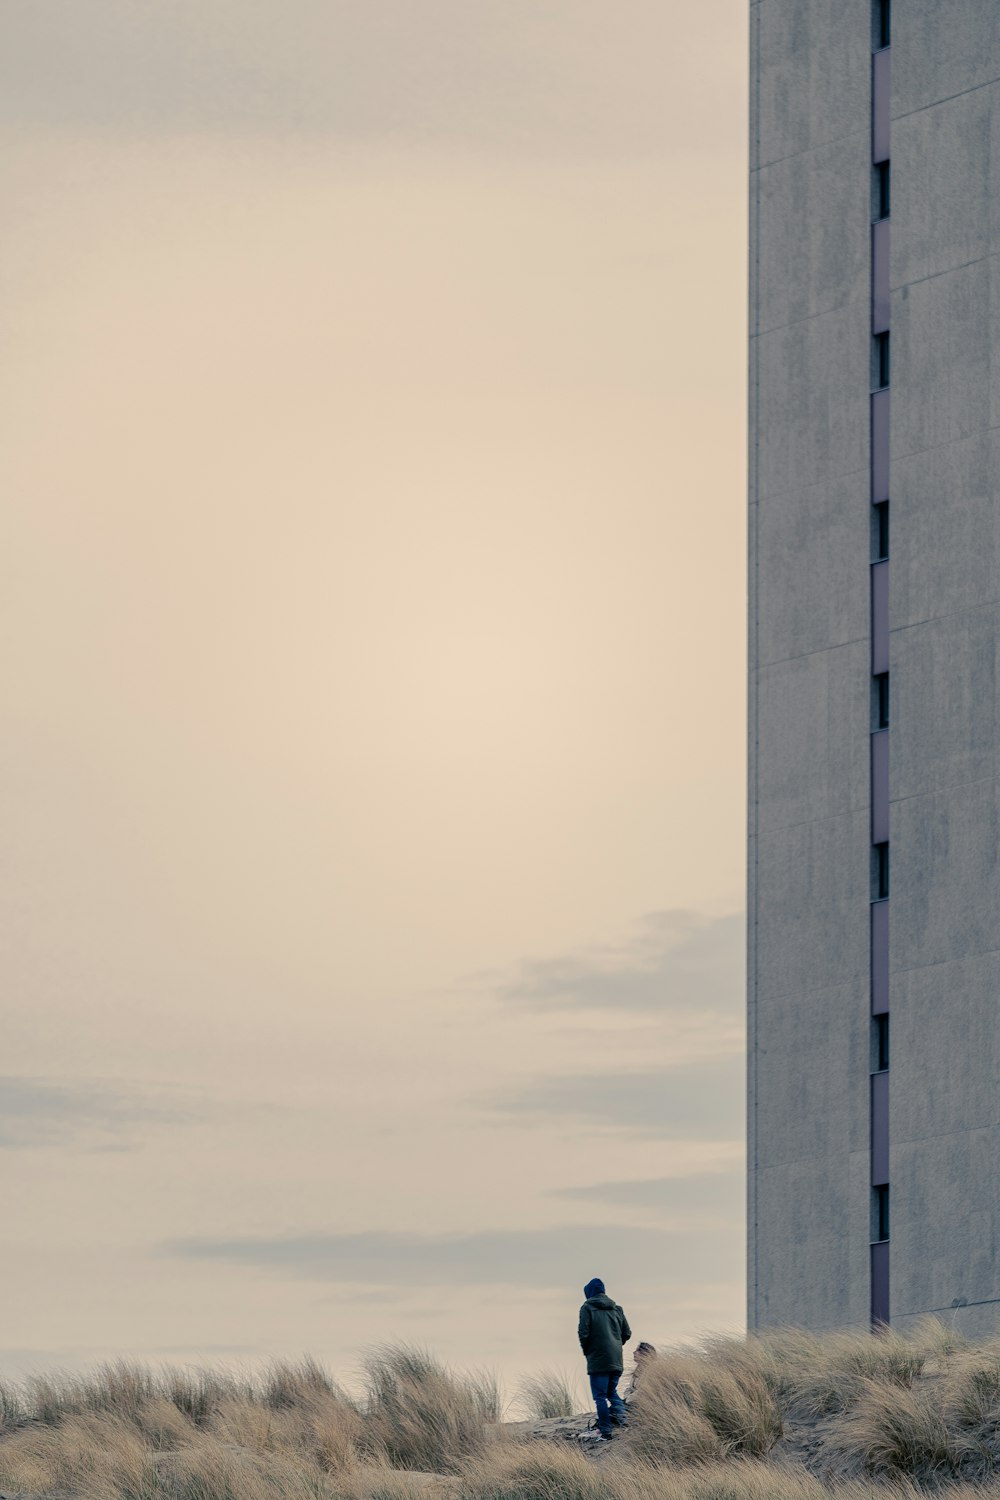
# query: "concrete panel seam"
944,1135
937,963
836,140
860,300
897,286
936,791
930,448
949,614
862,470
860,806
921,1312
798,1161
780,661
988,83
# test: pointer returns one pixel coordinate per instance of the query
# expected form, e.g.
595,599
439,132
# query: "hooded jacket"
603,1330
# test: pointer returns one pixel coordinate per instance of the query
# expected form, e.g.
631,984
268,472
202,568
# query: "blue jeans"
604,1389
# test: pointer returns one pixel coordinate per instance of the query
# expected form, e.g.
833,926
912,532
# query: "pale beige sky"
372,618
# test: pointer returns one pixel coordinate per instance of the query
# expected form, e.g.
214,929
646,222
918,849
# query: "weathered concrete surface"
945,618
809,661
808,834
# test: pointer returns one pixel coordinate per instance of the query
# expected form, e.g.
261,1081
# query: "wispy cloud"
701,1101
564,1256
93,1113
497,71
677,961
712,1198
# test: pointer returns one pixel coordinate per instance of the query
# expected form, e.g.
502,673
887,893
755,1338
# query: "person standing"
603,1331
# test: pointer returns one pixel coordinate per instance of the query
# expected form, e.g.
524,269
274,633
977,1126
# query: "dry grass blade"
96,1456
200,1393
689,1409
550,1471
546,1395
667,1425
12,1407
486,1389
335,1433
162,1425
418,1415
297,1384
214,1470
970,1400
50,1398
742,1480
541,1471
704,1424
821,1375
893,1430
326,1431
936,1341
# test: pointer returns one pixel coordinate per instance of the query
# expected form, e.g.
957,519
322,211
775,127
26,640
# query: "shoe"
621,1421
606,1437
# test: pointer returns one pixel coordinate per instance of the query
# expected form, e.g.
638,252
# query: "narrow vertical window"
880,1213
882,195
880,1043
880,872
880,531
883,24
881,360
880,701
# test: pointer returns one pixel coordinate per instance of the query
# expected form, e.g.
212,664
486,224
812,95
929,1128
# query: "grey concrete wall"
945,618
809,663
808,836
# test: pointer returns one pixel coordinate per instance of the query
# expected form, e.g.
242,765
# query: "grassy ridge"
788,1416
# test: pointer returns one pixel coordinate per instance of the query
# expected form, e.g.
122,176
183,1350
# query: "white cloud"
676,961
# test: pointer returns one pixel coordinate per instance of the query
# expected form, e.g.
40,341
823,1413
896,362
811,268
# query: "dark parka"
603,1330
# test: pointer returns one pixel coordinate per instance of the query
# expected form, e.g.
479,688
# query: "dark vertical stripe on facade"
880,442
880,1283
880,742
880,957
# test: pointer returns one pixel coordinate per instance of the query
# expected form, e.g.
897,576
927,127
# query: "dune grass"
947,1426
548,1394
817,1376
549,1471
418,1415
886,1419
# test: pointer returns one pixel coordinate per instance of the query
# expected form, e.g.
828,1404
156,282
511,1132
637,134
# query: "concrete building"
874,882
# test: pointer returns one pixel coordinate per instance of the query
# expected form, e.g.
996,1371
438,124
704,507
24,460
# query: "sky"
372,662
